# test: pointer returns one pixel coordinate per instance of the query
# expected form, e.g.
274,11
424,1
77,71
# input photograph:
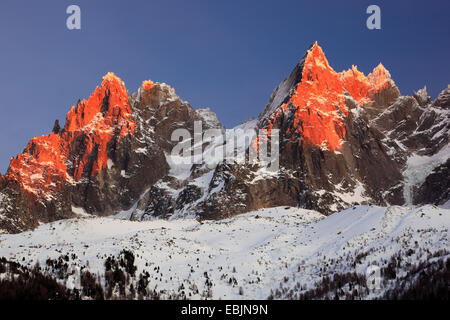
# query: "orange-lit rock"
147,84
379,79
318,102
363,88
106,115
357,84
41,165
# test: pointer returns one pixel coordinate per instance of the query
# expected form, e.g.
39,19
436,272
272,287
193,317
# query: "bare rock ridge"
345,138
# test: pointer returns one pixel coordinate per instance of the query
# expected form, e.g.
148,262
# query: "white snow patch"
180,167
419,167
260,249
110,163
124,174
445,205
80,212
141,150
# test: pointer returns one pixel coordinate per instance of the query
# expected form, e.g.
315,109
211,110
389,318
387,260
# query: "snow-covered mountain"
345,139
360,197
364,252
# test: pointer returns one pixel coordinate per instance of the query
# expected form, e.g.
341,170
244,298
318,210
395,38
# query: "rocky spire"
314,93
56,127
90,126
422,96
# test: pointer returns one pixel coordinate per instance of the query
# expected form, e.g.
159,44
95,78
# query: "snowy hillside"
271,253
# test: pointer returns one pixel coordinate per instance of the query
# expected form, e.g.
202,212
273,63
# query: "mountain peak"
81,147
316,56
363,88
328,157
379,78
147,85
381,69
422,96
314,93
110,77
110,99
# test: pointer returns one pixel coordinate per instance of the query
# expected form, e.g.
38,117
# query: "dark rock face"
345,139
322,178
158,203
138,161
443,100
56,127
19,210
379,138
189,194
134,163
436,188
422,129
245,190
209,119
422,97
284,91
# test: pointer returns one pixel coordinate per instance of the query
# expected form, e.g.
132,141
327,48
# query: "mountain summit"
80,148
345,139
315,95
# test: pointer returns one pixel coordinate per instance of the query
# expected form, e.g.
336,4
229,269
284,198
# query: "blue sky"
226,55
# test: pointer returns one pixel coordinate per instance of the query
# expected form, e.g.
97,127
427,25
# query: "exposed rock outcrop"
345,138
110,151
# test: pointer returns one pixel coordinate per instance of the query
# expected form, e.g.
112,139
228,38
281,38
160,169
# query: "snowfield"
277,252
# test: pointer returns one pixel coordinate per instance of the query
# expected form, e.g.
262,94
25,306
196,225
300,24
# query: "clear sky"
226,55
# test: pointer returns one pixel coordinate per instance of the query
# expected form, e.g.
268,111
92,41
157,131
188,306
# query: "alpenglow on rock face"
345,138
67,155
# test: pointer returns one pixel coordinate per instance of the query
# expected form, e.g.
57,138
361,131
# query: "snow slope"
248,256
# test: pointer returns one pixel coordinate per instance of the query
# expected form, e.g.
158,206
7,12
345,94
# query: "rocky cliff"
345,138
